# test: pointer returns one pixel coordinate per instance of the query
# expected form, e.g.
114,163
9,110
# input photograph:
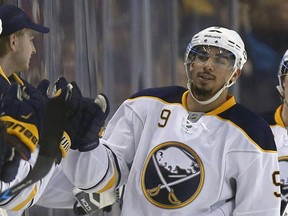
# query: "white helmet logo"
0,26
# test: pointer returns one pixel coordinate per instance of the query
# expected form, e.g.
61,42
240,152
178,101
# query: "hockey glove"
3,144
9,159
86,117
94,114
22,113
74,111
44,88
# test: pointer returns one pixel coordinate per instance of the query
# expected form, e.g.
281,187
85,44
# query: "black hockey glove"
22,111
86,118
3,144
74,110
9,159
94,114
44,88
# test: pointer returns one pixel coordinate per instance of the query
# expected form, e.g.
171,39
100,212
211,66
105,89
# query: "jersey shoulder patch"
170,94
253,125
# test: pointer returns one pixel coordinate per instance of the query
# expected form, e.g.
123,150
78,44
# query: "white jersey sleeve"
29,195
58,192
105,167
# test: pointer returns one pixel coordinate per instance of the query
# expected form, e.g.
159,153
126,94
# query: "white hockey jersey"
176,162
281,138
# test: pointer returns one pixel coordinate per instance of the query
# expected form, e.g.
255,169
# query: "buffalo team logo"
173,175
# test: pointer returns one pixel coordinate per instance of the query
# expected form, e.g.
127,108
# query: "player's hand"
44,88
74,110
22,114
3,144
87,117
94,114
9,158
22,110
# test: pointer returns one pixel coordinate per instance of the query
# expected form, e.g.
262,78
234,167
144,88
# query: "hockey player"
22,113
278,121
16,49
16,45
25,108
188,151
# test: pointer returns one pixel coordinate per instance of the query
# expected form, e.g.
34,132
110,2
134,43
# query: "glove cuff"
65,144
27,133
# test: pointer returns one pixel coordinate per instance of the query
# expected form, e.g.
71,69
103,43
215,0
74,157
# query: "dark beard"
201,91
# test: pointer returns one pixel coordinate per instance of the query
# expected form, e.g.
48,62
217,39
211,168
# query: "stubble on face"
201,91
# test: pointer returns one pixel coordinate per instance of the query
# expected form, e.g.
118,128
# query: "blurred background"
118,47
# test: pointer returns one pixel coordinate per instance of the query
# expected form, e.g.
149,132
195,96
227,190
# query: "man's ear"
236,75
12,42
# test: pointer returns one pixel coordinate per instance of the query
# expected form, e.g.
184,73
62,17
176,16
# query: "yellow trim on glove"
57,93
65,144
26,132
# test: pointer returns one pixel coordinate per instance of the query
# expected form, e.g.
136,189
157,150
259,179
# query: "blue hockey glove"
86,117
44,88
22,114
22,111
74,110
3,144
94,114
9,159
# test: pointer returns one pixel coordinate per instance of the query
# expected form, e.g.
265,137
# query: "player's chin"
202,91
204,87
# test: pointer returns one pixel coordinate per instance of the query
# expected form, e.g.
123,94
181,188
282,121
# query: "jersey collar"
4,75
229,103
277,116
14,76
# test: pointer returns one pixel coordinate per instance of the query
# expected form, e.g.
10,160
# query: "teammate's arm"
21,112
